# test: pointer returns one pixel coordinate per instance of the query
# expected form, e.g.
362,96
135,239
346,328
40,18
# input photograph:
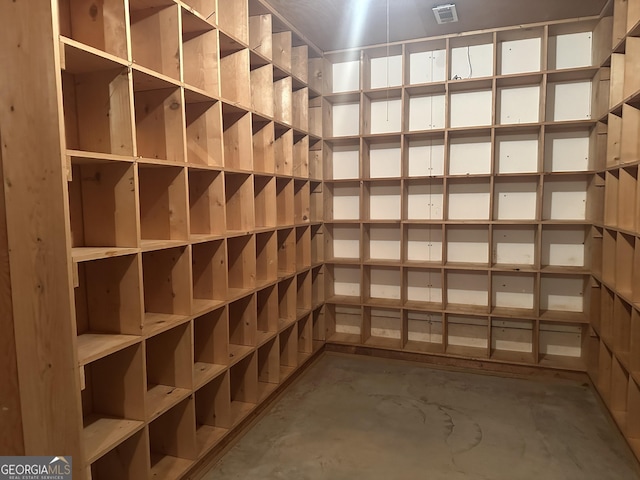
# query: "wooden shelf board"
145,79
527,313
302,312
467,309
78,58
303,357
265,389
560,269
350,338
93,346
161,398
87,254
234,294
467,352
239,411
513,357
85,157
343,300
201,306
567,317
428,306
424,347
167,467
155,323
264,337
102,433
505,267
284,323
285,372
384,342
565,363
150,245
238,352
208,437
205,372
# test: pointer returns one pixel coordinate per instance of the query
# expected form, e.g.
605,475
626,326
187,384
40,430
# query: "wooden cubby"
200,53
206,203
287,307
239,203
209,270
242,328
283,150
285,200
266,257
268,313
243,387
210,346
268,368
288,340
241,264
212,413
126,460
204,132
237,137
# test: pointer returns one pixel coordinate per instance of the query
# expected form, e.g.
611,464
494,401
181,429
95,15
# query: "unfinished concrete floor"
351,418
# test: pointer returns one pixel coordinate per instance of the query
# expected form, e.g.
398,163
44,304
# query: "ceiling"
339,24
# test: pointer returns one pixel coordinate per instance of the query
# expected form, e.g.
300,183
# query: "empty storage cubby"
304,292
469,199
268,368
562,345
341,160
305,338
341,117
568,150
172,441
239,202
106,420
513,291
317,286
203,132
169,369
382,112
213,413
266,257
210,346
303,248
94,121
288,340
268,314
283,150
423,287
283,100
209,270
343,283
235,73
467,290
233,18
163,204
565,198
568,100
514,245
159,121
128,460
287,311
517,152
241,263
206,203
515,199
425,109
520,51
281,46
470,108
467,244
467,335
262,89
471,57
300,108
382,242
517,104
316,202
264,189
343,323
425,62
512,340
243,388
561,294
155,36
564,246
301,155
342,74
242,328
102,204
102,27
300,61
382,327
383,284
301,201
470,155
286,252
382,158
263,152
422,243
423,331
342,242
167,288
384,200
285,202
382,67
570,46
200,53
238,135
424,156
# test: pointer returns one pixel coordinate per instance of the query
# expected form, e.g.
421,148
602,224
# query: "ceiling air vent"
445,13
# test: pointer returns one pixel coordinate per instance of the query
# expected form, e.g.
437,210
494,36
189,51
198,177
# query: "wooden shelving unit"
615,340
191,163
461,187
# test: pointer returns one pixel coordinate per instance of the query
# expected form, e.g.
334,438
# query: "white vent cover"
445,13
